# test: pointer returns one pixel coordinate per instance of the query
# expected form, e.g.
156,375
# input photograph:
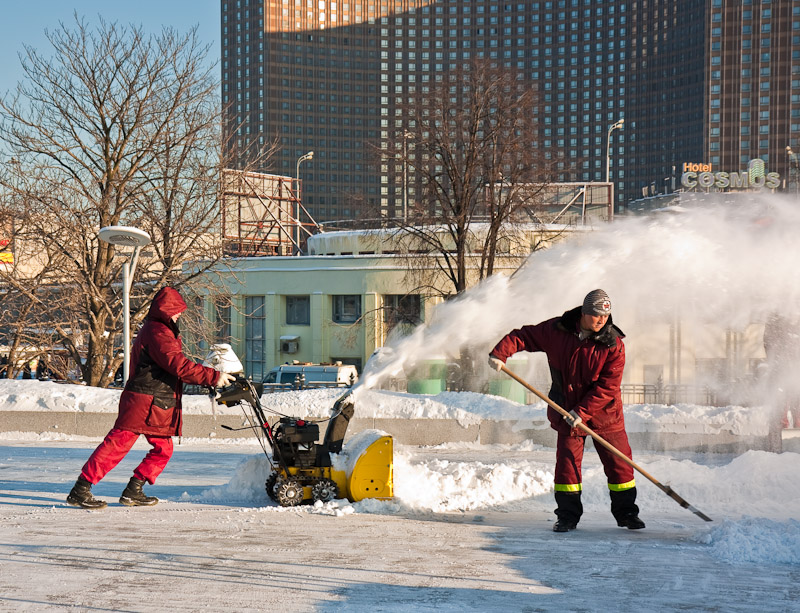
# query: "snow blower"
303,469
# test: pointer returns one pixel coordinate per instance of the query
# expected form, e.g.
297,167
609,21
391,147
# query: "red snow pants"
569,457
116,446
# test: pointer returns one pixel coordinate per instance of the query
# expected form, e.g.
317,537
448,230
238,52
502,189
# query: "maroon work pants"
116,446
569,457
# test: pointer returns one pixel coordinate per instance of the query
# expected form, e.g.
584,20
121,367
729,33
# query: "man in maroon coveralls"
150,404
586,356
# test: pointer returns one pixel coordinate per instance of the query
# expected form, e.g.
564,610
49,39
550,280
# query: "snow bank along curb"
412,419
406,431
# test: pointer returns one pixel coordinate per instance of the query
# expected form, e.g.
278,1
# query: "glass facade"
330,77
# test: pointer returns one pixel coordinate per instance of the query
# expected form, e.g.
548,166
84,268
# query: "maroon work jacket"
586,374
151,401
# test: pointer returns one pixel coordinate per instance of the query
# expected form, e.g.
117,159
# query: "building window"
401,309
222,320
346,309
298,310
254,333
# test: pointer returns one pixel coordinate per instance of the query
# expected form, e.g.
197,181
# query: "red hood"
167,302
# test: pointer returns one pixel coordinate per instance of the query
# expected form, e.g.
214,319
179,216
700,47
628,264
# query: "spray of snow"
729,262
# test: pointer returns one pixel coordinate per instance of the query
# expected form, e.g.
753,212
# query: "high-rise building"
696,81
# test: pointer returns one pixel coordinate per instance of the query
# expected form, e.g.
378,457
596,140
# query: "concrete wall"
404,431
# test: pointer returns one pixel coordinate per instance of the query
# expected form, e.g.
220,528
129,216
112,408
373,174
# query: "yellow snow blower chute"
305,470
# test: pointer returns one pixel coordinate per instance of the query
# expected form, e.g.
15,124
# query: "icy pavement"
198,551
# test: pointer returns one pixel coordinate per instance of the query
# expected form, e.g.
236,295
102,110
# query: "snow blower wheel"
325,490
272,480
288,492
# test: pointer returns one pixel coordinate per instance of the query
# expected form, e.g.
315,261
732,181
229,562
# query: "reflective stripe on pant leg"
108,454
155,460
621,487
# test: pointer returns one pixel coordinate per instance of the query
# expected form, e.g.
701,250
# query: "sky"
468,529
24,23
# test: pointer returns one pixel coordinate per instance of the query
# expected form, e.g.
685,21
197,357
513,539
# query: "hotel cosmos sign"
755,177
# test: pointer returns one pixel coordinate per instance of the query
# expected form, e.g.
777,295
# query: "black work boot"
133,496
631,522
624,509
81,496
564,525
569,511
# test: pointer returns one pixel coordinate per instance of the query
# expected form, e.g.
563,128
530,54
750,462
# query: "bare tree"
111,127
469,157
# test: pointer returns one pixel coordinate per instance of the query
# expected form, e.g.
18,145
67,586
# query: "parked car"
332,374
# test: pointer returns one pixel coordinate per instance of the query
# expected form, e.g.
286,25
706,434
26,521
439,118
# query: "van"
331,374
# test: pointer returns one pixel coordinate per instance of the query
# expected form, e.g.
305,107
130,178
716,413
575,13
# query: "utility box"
290,344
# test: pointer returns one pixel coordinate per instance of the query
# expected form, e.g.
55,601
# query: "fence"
271,388
636,393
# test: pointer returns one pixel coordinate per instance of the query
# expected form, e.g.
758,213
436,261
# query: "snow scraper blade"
599,439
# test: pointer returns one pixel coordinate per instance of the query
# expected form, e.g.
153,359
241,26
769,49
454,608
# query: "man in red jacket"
150,404
586,356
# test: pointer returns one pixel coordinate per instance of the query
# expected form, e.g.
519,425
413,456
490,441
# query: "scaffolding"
262,215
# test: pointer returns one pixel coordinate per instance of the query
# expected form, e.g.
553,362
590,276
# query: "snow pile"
247,484
446,486
755,541
750,484
466,408
34,395
693,419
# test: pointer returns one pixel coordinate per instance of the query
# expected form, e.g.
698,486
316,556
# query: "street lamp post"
300,160
126,236
608,148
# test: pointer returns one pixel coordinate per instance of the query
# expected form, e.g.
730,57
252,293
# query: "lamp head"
124,236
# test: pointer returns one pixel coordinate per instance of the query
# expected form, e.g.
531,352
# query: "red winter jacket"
586,373
151,400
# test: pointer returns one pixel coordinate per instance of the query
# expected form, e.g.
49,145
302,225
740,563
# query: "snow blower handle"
224,380
570,417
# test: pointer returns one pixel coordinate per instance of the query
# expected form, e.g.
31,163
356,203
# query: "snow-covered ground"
469,528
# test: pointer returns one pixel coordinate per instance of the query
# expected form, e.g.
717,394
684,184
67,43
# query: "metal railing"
643,393
271,388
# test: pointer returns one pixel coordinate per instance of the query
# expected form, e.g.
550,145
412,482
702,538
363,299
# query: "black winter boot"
569,511
81,496
133,496
624,509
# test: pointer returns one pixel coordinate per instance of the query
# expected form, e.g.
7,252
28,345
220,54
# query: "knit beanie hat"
596,302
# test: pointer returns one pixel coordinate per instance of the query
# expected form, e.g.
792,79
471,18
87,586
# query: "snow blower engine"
303,469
